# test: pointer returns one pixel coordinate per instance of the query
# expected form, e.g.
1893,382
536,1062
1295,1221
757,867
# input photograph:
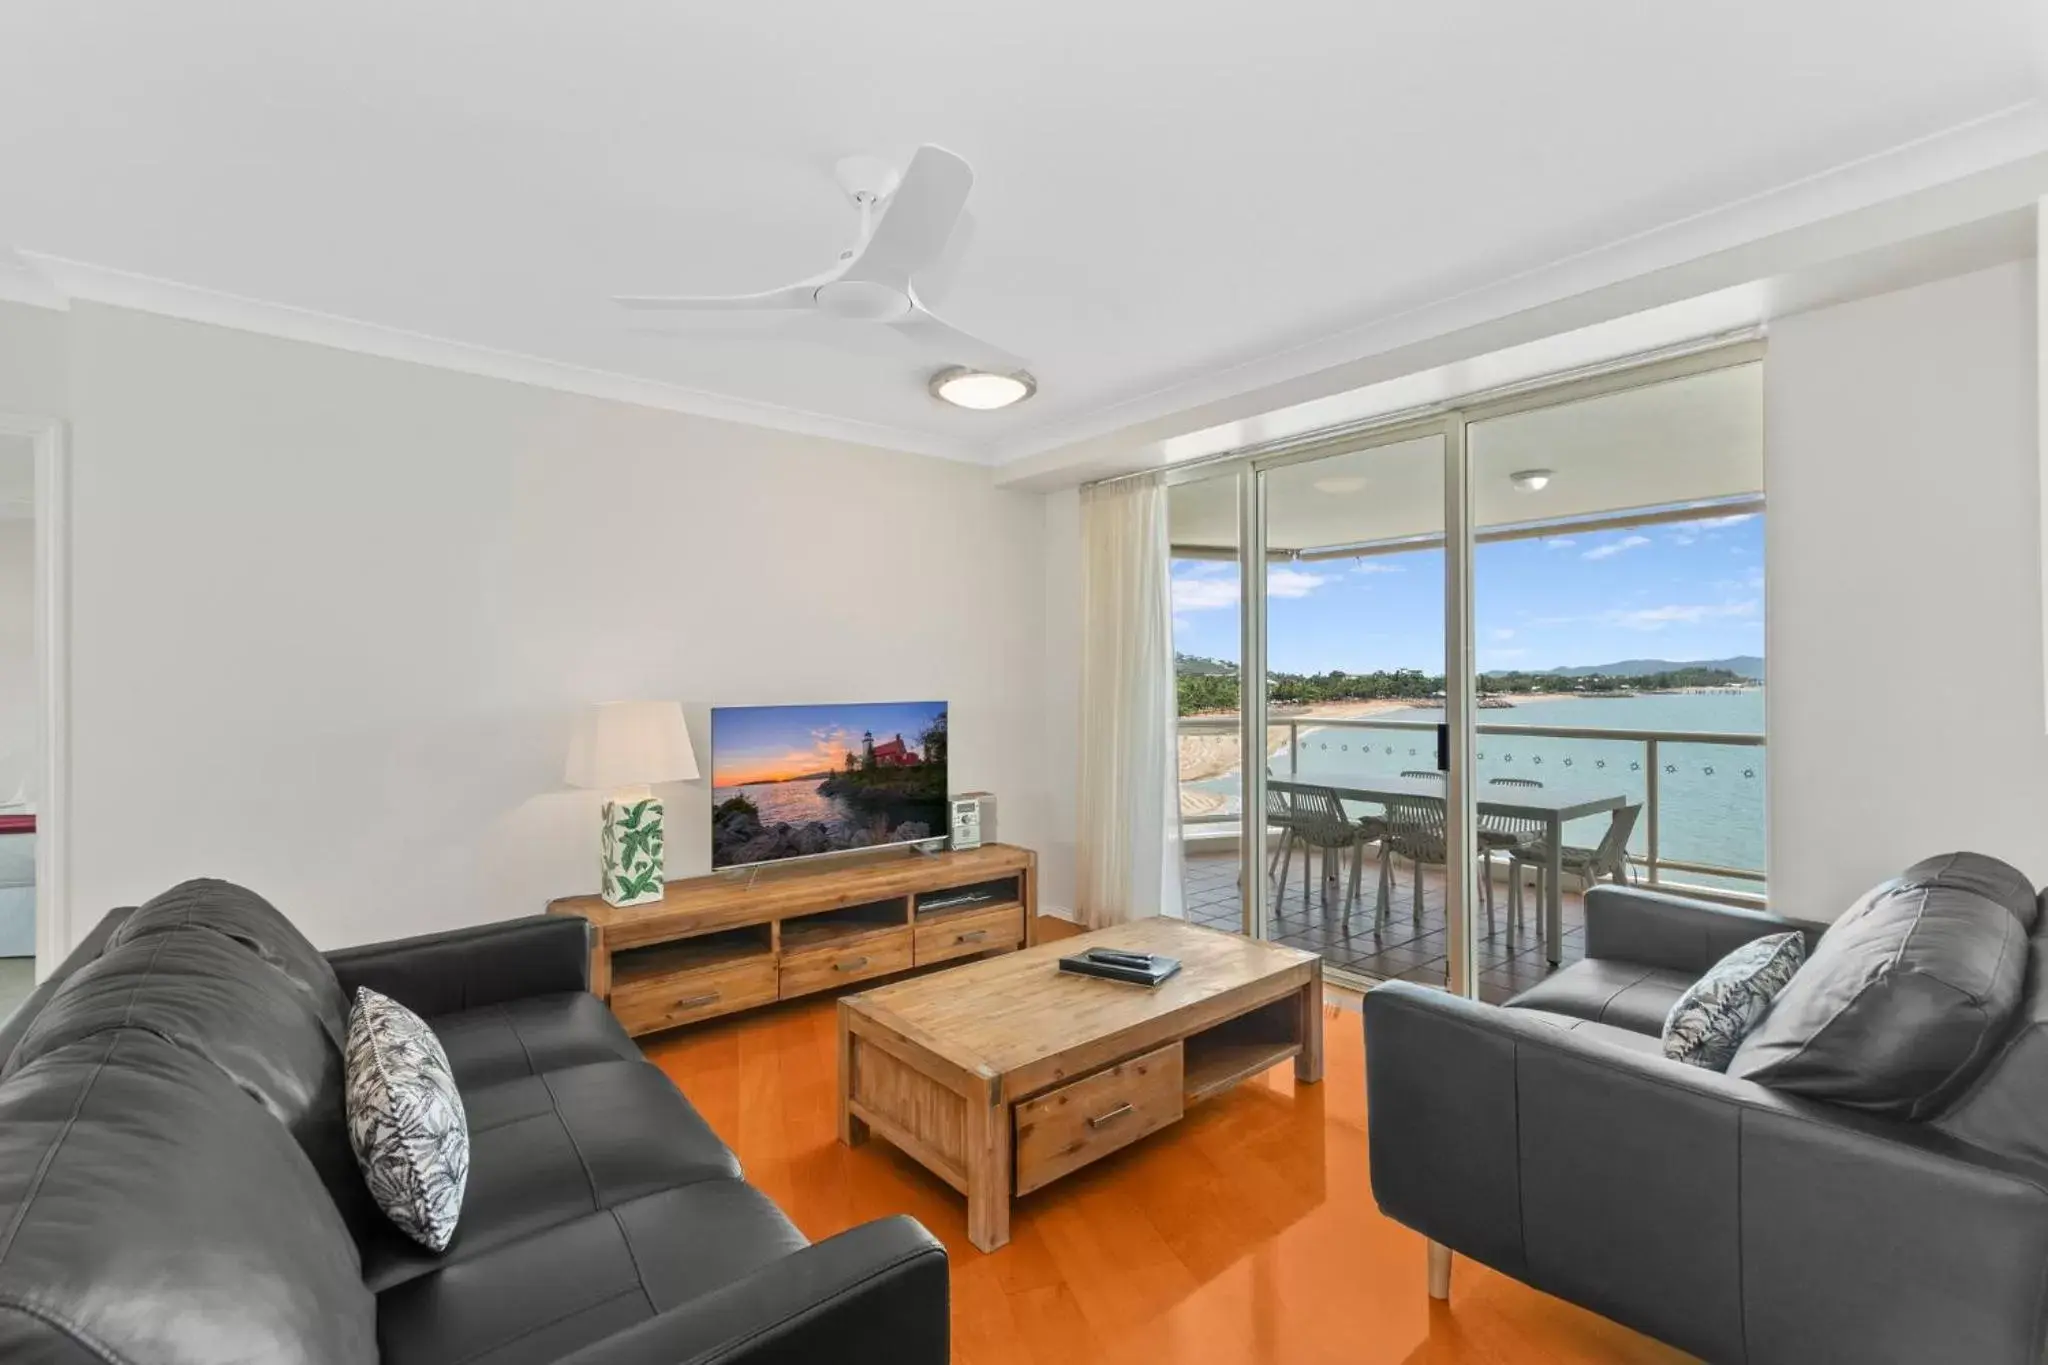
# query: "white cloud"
1377,566
1201,593
1560,542
1503,634
1656,618
1292,582
1711,523
1615,547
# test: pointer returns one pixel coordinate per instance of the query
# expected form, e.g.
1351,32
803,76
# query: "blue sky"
1685,590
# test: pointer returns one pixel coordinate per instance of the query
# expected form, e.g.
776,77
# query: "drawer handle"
977,936
1113,1114
696,1000
852,966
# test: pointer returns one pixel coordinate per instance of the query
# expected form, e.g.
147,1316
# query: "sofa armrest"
1656,929
459,969
1722,1217
873,1295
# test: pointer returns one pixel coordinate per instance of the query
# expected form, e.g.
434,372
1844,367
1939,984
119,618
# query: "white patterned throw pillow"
1713,1017
405,1119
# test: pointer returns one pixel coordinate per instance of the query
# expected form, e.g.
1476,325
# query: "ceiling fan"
905,224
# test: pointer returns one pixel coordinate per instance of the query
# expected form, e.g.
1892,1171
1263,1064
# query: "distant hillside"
1743,665
1195,666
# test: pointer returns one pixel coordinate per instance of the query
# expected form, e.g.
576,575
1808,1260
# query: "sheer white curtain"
1130,792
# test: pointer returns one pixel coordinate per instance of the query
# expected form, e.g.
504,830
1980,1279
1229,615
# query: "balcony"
1700,831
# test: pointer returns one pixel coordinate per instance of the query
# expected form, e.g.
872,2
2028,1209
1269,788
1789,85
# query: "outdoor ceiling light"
1529,480
982,390
1348,484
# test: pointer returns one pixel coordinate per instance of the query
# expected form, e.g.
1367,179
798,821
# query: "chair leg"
1384,909
1439,1271
1486,888
1416,911
1286,856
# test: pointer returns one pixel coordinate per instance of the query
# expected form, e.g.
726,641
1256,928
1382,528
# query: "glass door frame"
1461,684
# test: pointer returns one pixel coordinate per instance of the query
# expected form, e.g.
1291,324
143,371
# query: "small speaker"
974,819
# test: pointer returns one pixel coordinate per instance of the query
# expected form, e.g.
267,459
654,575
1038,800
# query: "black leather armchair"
1728,1219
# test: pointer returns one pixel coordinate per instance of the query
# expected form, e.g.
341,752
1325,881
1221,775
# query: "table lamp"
623,748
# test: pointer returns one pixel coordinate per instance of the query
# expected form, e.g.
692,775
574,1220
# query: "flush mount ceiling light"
1350,483
982,390
1529,480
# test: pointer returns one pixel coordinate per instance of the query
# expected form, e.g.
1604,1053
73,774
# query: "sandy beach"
1203,756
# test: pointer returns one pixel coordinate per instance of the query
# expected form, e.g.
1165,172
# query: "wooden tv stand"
713,945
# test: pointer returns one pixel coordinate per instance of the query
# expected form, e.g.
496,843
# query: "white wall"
1905,625
20,720
32,361
332,616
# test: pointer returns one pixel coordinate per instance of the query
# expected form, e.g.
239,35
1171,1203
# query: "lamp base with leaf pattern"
630,852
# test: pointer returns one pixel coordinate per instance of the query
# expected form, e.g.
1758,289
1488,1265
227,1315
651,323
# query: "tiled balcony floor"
1510,959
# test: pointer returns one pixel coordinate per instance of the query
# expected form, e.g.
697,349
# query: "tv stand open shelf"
714,945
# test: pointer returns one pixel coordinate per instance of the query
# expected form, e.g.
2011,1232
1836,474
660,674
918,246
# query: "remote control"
1139,961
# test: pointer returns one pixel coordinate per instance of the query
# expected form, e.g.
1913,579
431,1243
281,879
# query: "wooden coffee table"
1007,1074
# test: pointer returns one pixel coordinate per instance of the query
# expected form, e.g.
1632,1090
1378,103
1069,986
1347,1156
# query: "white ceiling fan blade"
946,344
917,218
802,294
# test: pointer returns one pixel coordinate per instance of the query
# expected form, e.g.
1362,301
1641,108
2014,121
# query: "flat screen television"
799,781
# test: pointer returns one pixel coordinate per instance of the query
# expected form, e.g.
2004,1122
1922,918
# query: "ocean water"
1710,796
794,803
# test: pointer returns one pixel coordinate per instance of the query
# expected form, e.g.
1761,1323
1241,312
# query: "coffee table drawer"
820,969
685,997
1065,1129
975,931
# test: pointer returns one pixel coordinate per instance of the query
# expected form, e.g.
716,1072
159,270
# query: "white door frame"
53,657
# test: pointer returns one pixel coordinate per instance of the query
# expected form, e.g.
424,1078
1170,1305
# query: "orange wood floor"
1246,1233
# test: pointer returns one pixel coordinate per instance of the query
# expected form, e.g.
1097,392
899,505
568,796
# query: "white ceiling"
1166,194
1662,445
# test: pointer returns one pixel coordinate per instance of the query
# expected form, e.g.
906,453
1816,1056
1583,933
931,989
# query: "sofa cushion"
529,1036
547,1149
2003,1109
217,1001
1609,992
405,1119
1899,1006
1980,874
1648,1044
248,919
1718,1011
150,1213
541,1297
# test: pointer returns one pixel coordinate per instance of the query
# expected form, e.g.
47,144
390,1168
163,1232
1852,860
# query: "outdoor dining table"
1554,806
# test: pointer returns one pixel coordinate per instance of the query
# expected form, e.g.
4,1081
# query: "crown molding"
68,280
2007,140
22,282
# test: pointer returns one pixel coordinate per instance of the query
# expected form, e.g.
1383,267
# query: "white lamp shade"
630,744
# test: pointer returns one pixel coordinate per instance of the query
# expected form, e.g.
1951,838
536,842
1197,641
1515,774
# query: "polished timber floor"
1510,958
1244,1234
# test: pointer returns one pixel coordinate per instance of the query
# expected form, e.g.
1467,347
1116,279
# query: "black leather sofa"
176,1185
1552,1140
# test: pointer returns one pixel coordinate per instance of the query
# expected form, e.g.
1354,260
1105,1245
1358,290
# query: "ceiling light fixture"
1529,480
1350,483
982,390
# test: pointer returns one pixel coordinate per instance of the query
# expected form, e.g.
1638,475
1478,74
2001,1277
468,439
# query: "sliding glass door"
1362,850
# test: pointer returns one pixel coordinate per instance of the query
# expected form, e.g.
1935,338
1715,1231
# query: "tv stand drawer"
970,931
683,998
878,953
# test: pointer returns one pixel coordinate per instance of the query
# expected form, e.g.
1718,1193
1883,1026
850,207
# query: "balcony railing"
1710,781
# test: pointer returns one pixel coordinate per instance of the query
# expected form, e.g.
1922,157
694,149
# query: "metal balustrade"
1661,756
